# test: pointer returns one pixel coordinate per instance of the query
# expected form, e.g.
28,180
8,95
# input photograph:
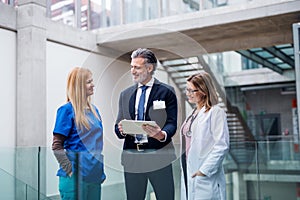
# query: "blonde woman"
78,140
206,142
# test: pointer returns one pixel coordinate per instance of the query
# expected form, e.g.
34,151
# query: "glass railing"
261,167
256,167
89,15
108,13
12,188
24,183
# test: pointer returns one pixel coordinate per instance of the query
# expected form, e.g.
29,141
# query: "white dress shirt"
137,99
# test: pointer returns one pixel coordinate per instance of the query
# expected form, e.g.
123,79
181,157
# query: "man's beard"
142,77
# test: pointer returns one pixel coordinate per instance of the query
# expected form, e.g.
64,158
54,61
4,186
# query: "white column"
239,186
296,36
31,96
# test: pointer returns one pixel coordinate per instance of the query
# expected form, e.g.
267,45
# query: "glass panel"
84,15
175,7
180,80
10,2
134,11
277,153
183,74
192,4
188,67
289,51
152,9
193,60
100,14
175,62
284,66
12,188
249,64
64,11
19,171
275,60
104,13
182,61
256,49
264,54
115,12
267,125
180,68
283,46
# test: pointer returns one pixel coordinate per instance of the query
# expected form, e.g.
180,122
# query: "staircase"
242,142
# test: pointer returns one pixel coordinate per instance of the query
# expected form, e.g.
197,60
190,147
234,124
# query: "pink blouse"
185,129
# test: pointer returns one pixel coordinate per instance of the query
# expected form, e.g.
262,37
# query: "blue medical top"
82,145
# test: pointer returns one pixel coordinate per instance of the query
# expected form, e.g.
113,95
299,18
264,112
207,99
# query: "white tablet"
134,126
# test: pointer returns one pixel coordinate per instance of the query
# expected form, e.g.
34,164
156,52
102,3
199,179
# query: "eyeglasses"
190,91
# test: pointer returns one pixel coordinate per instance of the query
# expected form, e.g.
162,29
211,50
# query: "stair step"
233,119
239,137
234,124
236,130
231,114
237,134
233,128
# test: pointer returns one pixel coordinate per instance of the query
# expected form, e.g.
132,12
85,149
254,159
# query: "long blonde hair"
203,82
77,95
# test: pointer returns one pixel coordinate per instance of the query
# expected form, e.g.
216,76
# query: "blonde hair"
203,82
77,95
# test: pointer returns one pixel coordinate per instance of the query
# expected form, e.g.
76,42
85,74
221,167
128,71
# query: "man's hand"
154,131
121,129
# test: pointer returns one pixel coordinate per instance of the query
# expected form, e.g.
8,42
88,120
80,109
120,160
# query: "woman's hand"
198,173
154,131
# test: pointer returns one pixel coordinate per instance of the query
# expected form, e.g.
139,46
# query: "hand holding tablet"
135,127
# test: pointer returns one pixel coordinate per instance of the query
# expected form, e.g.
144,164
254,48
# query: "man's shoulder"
163,85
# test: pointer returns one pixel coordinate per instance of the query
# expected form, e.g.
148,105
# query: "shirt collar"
149,84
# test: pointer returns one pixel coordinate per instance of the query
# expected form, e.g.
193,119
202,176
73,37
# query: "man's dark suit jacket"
157,154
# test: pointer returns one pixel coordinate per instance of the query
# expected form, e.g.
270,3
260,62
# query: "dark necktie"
141,106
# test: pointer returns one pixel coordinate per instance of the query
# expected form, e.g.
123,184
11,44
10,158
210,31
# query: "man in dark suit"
148,157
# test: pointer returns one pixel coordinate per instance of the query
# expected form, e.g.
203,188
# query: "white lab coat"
209,145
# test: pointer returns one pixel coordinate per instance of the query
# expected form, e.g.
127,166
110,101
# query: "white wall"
8,87
232,62
60,60
7,109
110,77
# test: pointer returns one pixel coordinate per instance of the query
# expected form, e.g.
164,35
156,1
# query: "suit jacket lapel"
152,95
133,92
132,102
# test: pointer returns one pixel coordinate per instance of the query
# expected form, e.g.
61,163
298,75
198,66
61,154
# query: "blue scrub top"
82,145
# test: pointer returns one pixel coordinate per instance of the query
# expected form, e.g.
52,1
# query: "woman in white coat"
205,140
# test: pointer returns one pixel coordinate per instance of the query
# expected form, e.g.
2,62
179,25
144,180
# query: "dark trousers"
161,180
